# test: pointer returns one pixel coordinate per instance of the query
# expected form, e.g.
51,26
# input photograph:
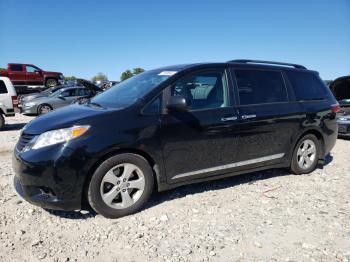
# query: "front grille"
23,141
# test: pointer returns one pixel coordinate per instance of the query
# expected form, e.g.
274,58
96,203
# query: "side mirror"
60,96
178,103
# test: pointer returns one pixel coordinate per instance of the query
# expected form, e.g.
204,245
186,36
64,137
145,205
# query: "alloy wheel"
44,109
122,186
306,154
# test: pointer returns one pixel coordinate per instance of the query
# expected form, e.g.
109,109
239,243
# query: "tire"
120,186
2,121
306,155
51,82
44,109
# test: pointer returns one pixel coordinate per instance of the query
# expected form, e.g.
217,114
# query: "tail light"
335,108
14,101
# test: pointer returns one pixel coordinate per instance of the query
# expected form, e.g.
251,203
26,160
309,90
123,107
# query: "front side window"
203,90
260,87
31,69
16,68
70,92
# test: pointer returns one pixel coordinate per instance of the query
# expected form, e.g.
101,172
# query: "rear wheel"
121,185
2,121
44,109
306,155
51,82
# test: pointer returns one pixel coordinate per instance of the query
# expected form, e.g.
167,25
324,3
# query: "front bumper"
49,178
28,110
343,127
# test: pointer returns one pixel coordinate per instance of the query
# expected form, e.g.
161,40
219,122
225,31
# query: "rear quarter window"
3,89
307,86
16,68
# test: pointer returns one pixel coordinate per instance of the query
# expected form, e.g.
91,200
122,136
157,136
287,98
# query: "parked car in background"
48,91
26,98
24,75
62,97
340,87
8,100
173,126
107,85
343,121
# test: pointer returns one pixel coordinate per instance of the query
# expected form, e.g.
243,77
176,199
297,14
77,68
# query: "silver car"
60,98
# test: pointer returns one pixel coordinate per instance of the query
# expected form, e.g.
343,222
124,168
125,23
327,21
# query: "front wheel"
51,83
44,109
121,185
306,155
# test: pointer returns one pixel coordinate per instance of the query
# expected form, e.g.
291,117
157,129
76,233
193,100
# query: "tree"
2,69
128,73
99,77
138,70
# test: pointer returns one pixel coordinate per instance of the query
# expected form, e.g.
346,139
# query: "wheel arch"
319,136
43,104
145,155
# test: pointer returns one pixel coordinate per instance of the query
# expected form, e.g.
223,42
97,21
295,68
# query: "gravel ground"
264,216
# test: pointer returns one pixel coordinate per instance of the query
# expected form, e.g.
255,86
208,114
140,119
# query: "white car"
8,100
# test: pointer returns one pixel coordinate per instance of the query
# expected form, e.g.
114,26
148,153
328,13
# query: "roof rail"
246,61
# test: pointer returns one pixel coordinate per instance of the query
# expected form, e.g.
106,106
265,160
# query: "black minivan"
173,126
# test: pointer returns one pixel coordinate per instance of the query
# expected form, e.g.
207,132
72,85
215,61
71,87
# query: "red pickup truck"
31,75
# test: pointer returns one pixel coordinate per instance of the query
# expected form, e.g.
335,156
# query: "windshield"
128,91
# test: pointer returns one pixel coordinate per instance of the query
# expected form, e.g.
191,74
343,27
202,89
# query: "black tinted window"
83,92
3,89
16,68
203,90
306,86
259,87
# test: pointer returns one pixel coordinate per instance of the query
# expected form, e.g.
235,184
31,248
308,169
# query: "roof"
242,62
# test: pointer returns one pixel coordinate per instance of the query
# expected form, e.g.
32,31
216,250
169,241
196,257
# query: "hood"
31,96
52,73
64,117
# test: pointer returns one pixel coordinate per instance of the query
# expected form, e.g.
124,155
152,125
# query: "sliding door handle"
230,118
248,116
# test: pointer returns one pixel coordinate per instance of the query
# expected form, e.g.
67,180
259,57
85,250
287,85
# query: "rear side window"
260,87
16,68
307,86
3,89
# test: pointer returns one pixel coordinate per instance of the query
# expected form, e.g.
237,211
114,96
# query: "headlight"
28,104
58,136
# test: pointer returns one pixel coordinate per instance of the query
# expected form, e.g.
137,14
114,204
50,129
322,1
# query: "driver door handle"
230,118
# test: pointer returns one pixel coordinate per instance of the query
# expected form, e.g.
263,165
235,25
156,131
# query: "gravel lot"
264,216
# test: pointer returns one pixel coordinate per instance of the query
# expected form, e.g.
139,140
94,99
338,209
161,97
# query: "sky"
84,37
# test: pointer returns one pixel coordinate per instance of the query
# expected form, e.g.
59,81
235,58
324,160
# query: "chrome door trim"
248,116
230,118
236,164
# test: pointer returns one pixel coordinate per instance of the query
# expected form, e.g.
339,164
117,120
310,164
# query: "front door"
202,140
33,76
